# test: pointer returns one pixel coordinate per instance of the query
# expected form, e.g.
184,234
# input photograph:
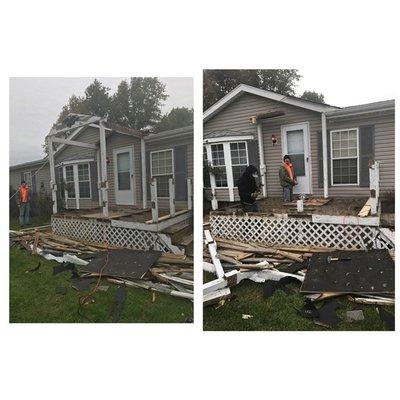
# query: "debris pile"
322,274
92,262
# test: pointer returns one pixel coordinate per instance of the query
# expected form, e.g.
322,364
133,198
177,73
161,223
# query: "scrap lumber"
165,217
366,209
212,248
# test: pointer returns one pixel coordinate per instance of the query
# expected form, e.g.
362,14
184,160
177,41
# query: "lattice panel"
296,231
103,232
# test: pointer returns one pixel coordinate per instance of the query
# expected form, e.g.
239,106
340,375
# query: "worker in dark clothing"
23,197
248,189
287,179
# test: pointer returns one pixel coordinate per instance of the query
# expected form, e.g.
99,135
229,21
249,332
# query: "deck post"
325,154
214,201
263,170
53,184
98,163
374,186
103,161
144,173
171,187
189,194
154,200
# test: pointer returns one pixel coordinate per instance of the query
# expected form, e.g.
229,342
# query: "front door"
296,143
123,176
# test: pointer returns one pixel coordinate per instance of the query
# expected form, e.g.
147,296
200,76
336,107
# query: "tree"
75,105
313,96
138,104
178,117
218,83
97,99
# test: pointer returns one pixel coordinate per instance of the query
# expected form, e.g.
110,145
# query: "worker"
248,189
23,198
287,178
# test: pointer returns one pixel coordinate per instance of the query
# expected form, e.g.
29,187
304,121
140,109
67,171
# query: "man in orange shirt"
23,198
287,178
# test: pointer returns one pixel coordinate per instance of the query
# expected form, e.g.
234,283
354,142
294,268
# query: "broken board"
123,263
366,272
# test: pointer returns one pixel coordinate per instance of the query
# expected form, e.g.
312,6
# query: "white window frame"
228,165
247,157
225,165
76,183
346,158
90,181
173,166
28,173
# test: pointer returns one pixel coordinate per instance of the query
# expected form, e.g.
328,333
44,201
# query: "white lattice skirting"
103,232
296,232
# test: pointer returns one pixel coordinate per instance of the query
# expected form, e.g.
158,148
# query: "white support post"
374,186
171,187
53,184
154,200
144,173
98,162
214,201
189,194
325,154
263,169
103,160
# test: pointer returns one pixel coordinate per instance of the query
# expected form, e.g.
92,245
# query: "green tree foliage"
218,83
75,105
178,117
313,96
97,100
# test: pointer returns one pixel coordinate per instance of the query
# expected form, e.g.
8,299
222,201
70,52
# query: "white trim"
305,127
144,172
173,166
76,185
325,176
242,88
131,151
345,220
346,158
228,139
90,181
68,162
225,166
263,168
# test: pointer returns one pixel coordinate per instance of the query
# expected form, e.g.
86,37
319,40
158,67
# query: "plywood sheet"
367,272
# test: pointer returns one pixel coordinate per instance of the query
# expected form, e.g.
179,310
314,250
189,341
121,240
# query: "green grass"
279,312
33,297
34,221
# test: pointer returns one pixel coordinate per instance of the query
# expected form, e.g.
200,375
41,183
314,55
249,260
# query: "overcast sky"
36,102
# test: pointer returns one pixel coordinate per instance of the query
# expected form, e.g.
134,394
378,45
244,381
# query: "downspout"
263,169
325,154
144,173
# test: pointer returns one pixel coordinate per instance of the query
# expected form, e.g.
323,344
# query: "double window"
162,168
28,178
344,156
229,160
77,180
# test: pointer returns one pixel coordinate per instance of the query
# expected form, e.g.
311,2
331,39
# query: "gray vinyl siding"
42,176
236,116
384,152
170,143
115,142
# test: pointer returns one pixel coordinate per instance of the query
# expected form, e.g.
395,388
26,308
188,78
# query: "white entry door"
296,143
123,176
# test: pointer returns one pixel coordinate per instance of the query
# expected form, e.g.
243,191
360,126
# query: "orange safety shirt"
24,193
290,170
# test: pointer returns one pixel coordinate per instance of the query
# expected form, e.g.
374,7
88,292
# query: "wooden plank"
345,220
366,209
165,217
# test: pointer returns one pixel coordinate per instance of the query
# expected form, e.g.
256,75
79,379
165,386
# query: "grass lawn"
279,312
34,221
33,297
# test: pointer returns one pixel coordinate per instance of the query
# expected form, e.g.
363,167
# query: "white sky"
36,102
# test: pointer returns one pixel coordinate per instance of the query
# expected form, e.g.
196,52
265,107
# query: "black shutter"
180,170
367,152
252,150
321,159
148,175
93,181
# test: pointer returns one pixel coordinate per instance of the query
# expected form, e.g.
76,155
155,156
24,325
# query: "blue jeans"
287,194
24,209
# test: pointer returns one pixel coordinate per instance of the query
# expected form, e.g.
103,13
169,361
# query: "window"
218,160
28,178
69,181
162,169
124,171
84,181
238,159
344,157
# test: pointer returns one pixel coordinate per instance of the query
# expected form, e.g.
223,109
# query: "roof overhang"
363,109
186,131
242,89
